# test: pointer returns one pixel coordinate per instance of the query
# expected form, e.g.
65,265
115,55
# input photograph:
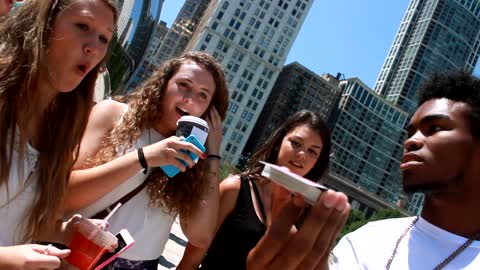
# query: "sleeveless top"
238,234
149,226
22,187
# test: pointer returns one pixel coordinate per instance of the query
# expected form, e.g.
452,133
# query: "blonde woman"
50,53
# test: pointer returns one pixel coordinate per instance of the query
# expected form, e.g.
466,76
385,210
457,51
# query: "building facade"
435,35
296,88
367,141
251,38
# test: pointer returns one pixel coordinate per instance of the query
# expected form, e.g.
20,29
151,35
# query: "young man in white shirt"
442,160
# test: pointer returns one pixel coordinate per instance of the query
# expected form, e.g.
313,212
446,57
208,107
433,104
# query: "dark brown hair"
270,149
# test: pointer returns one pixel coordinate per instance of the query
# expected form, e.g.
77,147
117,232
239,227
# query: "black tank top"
239,233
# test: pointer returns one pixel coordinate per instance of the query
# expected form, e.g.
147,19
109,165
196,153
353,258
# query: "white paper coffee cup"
191,125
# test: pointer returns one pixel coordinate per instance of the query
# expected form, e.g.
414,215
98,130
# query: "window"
214,25
225,5
220,15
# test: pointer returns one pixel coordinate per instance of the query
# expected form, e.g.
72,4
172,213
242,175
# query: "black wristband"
142,160
214,157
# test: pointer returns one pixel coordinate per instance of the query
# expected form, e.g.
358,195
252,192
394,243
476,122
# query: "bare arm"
87,185
200,226
229,188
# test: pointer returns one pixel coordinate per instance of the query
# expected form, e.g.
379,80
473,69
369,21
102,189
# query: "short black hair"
458,85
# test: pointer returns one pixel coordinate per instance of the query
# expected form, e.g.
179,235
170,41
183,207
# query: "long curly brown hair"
23,45
182,192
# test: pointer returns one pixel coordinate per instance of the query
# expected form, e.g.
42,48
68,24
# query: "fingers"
275,237
50,260
313,240
100,223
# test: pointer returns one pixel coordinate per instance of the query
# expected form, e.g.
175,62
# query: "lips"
410,160
181,112
295,164
83,69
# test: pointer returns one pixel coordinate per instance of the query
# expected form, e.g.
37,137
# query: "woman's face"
188,92
78,42
300,150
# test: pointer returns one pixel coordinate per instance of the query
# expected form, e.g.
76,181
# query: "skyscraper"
296,88
435,35
172,41
251,38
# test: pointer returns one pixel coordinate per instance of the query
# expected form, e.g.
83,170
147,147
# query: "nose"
413,143
91,47
188,97
300,156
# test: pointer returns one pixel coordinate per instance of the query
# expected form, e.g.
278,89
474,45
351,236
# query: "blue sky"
347,36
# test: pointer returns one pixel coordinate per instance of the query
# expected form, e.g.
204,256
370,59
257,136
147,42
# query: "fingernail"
340,207
204,156
329,202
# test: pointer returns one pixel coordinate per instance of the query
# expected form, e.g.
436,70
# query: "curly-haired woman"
109,166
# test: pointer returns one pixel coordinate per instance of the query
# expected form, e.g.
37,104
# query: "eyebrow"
90,17
427,119
300,138
190,81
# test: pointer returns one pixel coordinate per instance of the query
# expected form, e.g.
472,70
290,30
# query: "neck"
455,214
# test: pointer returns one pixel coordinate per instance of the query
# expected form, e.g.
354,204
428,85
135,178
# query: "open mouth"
82,68
181,111
295,164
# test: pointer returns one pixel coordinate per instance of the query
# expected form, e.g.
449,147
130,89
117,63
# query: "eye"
82,26
295,143
103,39
203,95
313,152
432,129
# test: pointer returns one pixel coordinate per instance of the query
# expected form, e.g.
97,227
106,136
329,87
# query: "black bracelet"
214,157
142,160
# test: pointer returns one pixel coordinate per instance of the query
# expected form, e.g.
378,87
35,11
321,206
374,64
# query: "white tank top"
150,227
14,206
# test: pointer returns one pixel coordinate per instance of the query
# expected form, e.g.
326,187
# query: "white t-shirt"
22,185
149,227
424,247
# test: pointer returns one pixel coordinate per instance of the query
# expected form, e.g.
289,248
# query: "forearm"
199,227
88,185
192,257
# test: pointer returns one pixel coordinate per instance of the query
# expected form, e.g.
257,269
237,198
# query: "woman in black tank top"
302,144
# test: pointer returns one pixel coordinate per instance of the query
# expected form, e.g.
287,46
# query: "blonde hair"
23,44
182,192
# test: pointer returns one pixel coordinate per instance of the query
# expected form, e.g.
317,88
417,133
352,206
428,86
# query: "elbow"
202,242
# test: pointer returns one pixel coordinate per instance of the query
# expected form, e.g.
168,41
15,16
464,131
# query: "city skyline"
348,41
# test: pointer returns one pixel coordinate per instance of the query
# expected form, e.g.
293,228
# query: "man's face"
440,150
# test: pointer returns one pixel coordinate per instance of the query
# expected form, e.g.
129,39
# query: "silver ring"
47,248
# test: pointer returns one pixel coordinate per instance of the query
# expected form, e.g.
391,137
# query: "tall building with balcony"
296,88
251,38
434,35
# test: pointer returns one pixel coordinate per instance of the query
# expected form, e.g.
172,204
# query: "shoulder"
231,183
107,113
380,229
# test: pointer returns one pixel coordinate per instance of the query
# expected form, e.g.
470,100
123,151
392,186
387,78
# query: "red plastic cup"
88,244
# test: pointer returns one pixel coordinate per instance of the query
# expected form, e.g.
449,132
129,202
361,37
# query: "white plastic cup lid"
193,119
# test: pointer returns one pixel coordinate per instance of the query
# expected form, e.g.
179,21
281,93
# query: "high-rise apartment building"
367,142
296,88
251,38
435,35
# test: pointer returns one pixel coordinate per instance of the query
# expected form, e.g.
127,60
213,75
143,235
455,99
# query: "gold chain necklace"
444,262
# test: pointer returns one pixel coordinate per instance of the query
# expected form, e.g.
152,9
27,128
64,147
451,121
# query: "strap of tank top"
259,199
